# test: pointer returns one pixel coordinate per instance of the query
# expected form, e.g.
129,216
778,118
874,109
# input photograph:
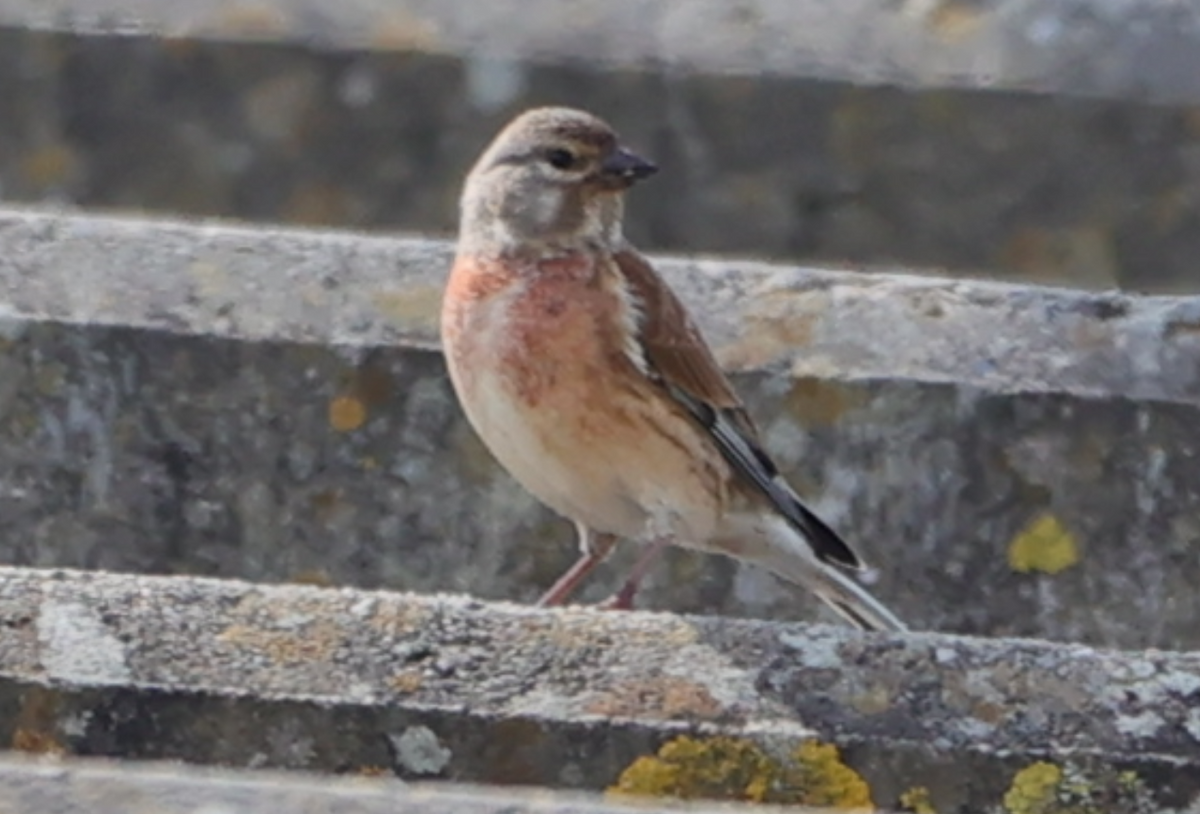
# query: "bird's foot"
622,600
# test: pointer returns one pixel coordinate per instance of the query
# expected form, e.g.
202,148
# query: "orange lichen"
347,413
37,743
36,724
407,681
665,697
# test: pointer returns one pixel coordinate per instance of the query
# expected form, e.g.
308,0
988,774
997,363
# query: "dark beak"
625,165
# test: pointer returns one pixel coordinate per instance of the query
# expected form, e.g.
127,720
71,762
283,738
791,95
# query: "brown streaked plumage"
587,379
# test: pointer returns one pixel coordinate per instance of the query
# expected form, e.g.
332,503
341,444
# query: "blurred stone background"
1055,143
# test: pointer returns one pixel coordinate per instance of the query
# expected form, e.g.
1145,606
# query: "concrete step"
269,404
447,687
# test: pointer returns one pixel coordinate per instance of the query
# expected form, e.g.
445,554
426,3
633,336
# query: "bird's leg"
595,548
623,599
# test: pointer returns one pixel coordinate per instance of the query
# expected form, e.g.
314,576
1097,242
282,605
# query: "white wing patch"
633,317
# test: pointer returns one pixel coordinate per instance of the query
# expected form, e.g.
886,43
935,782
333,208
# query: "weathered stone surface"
102,787
268,404
331,680
768,146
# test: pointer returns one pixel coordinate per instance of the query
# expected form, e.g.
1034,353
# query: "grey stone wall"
267,404
1042,142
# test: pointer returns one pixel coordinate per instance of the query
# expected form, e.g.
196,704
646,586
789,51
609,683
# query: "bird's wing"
684,365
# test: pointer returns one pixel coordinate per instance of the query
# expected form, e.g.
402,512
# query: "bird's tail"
788,555
852,601
771,541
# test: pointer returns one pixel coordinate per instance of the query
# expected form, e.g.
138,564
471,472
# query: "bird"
587,379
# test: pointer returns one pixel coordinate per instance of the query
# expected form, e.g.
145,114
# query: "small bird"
589,382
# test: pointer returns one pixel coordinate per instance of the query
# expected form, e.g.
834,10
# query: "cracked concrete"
458,689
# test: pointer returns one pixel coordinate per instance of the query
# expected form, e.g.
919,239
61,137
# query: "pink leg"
596,548
623,599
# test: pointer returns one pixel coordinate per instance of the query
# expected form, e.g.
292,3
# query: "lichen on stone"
1034,790
1045,788
1045,546
916,801
724,768
822,779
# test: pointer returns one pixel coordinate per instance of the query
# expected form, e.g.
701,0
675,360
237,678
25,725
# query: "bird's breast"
535,334
542,368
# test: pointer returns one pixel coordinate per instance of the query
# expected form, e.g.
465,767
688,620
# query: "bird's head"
554,177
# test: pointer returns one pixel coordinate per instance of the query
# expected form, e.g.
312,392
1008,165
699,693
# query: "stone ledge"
70,786
273,284
1142,50
293,677
268,404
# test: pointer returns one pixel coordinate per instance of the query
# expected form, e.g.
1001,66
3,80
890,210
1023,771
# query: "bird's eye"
561,159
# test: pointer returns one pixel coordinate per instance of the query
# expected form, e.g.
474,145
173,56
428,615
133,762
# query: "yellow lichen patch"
824,780
916,801
1044,545
347,413
734,769
1034,790
712,769
1045,788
